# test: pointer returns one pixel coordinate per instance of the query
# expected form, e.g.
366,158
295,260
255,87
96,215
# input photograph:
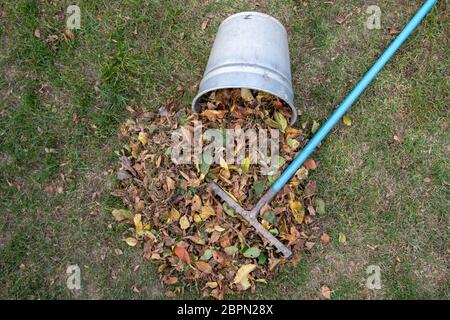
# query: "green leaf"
274,231
229,211
258,187
320,206
269,216
272,123
122,214
342,238
231,250
262,259
205,165
252,252
281,120
246,165
207,255
293,143
315,126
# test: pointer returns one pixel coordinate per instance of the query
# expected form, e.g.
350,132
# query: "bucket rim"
256,13
200,94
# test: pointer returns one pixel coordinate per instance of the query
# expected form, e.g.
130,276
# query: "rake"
252,215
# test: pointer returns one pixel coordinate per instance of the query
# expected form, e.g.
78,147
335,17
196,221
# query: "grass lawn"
385,179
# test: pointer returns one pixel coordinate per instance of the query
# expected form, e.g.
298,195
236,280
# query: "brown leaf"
326,292
310,189
213,115
170,280
204,266
325,238
310,164
393,31
68,34
205,24
182,254
170,183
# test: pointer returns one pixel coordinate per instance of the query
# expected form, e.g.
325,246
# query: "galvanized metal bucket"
250,51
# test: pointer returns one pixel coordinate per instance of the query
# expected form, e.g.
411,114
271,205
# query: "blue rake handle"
351,98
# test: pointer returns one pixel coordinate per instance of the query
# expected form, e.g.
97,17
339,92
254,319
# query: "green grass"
71,99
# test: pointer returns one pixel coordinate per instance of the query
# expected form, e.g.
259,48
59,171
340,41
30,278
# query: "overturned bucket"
250,51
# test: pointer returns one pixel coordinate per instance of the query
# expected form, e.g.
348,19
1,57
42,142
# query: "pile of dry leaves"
181,225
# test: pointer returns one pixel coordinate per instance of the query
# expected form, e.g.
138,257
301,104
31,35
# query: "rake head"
251,216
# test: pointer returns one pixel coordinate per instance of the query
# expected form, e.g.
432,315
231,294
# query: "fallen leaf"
231,250
342,238
170,280
68,34
242,275
143,138
170,184
122,214
315,126
347,121
206,212
204,266
213,115
252,252
281,120
297,210
325,238
246,165
310,164
197,218
132,242
247,95
182,254
211,285
393,31
184,222
326,292
138,223
196,203
320,206
205,24
174,215
37,33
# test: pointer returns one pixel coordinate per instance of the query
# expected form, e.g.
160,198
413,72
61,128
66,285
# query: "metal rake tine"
250,216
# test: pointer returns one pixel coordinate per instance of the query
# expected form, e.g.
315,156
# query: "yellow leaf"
347,121
211,284
143,137
219,228
223,164
184,222
138,223
342,238
246,165
206,212
197,218
242,275
122,214
247,95
132,242
297,210
174,215
301,173
281,120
